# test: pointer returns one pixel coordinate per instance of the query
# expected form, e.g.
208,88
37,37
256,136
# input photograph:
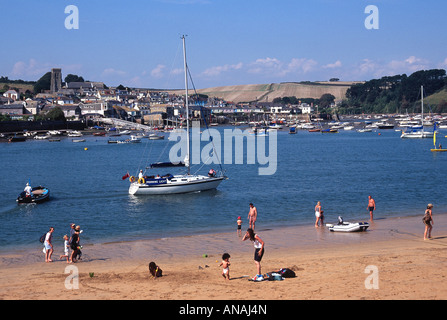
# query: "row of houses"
81,100
141,111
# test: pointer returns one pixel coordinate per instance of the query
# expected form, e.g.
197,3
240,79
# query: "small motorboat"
39,194
17,139
135,139
342,226
155,136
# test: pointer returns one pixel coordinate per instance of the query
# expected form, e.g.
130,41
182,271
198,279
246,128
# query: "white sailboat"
418,132
173,184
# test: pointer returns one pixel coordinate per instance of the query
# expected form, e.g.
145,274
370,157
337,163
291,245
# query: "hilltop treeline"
4,79
395,93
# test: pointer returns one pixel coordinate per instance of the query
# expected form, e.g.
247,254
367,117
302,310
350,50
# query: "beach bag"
287,273
42,238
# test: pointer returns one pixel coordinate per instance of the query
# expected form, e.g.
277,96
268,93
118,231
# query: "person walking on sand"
66,249
225,264
428,221
48,245
74,246
252,216
259,250
318,214
371,207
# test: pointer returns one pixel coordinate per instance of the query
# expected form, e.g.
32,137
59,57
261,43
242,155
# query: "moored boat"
17,139
154,136
342,226
418,132
349,227
182,183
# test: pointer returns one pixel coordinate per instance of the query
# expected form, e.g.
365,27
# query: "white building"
12,94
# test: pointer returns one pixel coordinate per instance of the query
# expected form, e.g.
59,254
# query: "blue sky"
230,42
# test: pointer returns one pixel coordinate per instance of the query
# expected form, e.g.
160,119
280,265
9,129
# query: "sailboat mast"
422,105
186,105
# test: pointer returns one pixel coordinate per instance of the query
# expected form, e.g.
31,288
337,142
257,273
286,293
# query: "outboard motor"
340,220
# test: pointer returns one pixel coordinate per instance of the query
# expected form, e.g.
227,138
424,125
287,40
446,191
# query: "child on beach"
155,270
239,226
66,246
225,264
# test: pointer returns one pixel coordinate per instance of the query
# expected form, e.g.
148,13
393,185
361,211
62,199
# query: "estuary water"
340,170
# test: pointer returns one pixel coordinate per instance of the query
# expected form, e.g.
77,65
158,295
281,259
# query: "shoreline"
328,265
29,247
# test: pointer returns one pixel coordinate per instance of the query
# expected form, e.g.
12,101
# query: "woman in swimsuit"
259,249
318,214
428,221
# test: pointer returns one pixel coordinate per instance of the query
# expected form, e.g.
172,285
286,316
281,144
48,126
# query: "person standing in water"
319,214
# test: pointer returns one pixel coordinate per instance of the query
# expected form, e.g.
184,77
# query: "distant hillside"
268,92
21,86
437,98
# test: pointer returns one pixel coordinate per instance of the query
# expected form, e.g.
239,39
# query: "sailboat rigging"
184,183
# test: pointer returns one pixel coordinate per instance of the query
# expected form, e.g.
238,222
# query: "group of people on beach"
320,217
259,243
71,241
427,219
249,235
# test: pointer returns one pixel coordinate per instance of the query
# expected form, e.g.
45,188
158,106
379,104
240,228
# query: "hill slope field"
268,92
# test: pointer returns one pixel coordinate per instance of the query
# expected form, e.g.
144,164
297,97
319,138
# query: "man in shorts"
371,207
252,215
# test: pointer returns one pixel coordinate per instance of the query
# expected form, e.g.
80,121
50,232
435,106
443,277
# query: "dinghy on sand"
342,226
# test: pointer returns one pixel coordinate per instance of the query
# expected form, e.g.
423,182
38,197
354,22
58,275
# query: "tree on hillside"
73,78
54,114
390,93
43,83
326,100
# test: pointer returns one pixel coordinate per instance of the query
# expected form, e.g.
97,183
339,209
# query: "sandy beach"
328,266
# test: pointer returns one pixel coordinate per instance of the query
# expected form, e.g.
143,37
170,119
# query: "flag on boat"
125,176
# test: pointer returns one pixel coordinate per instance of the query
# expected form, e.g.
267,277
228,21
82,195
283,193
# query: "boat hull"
417,135
193,184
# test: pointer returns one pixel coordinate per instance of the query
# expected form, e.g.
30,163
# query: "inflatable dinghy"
348,226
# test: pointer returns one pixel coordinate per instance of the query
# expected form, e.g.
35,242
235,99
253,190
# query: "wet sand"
328,265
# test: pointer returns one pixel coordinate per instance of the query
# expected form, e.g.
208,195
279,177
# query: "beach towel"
274,276
257,278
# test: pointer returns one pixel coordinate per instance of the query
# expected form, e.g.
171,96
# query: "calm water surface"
340,170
